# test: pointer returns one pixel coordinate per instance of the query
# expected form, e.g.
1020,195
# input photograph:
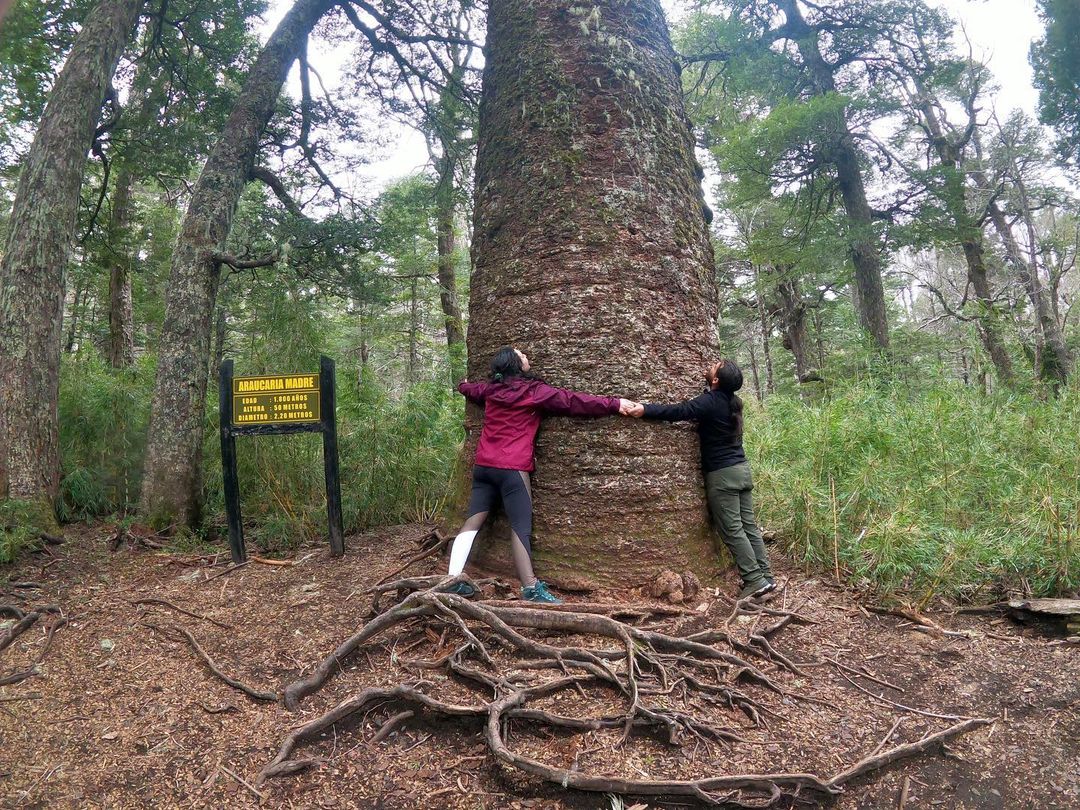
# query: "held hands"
627,407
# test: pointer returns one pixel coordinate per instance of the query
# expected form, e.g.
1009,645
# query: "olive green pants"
732,509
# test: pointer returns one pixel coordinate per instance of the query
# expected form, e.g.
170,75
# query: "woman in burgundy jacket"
514,401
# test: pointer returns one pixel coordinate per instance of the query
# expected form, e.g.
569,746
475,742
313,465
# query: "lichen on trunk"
39,239
592,255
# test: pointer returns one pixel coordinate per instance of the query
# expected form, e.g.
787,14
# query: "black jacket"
721,445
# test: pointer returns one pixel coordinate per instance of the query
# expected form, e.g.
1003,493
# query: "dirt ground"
125,715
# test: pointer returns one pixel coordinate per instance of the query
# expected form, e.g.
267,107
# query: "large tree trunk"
869,292
121,348
38,244
172,483
592,255
763,322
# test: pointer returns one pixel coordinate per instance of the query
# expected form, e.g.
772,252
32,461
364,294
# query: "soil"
125,715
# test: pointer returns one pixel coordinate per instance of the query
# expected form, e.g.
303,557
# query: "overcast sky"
1001,31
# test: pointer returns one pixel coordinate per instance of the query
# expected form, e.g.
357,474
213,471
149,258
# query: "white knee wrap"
459,552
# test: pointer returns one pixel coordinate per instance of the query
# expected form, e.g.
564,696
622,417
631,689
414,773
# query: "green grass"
935,491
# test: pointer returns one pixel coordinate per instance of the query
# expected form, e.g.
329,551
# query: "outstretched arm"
475,392
694,408
572,403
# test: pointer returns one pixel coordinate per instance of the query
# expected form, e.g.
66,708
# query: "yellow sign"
275,399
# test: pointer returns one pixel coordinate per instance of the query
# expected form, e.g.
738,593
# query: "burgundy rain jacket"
512,412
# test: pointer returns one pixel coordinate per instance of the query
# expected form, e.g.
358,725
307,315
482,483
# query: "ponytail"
729,380
737,416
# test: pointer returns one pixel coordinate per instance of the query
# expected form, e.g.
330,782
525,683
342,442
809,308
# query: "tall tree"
1019,152
951,150
172,483
1056,62
32,268
592,254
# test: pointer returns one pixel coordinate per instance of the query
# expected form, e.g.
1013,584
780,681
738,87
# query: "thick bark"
592,255
171,491
39,239
869,292
121,348
220,331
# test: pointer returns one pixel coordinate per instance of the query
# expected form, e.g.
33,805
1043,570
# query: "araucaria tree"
592,255
36,253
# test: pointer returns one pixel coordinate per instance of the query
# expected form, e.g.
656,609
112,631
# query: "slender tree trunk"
1058,362
754,370
950,158
73,321
592,254
121,348
172,483
795,336
414,327
39,241
869,292
448,298
989,331
763,323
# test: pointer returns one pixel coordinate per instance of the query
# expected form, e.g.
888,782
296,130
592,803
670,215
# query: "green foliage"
36,35
21,524
103,414
1056,62
396,459
934,491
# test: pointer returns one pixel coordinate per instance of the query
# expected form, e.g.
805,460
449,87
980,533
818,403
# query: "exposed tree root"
178,609
254,694
433,543
54,625
645,669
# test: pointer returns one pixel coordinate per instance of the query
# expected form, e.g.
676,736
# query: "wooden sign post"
275,404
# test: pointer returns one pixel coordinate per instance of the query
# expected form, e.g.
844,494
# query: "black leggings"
512,487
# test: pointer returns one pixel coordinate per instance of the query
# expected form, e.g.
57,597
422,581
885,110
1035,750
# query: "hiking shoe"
540,593
462,589
755,589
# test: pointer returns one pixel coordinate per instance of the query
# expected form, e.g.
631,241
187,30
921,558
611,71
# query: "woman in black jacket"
719,416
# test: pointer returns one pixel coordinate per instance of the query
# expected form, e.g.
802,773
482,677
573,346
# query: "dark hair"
729,380
506,365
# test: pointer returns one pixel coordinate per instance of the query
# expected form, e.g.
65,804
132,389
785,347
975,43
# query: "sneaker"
540,593
462,589
755,589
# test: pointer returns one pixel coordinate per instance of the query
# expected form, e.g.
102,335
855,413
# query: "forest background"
922,441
